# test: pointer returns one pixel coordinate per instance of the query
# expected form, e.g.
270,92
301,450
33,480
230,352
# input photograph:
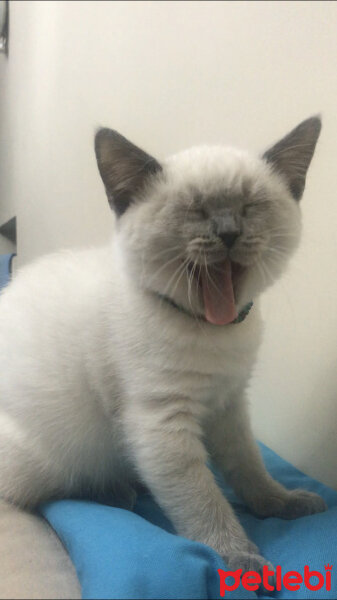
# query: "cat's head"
211,227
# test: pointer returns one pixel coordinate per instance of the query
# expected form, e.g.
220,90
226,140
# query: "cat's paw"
251,562
300,503
290,505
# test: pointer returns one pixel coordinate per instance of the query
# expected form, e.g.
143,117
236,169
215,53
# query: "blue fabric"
5,269
119,554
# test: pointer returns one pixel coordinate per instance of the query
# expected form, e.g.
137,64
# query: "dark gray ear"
124,168
292,155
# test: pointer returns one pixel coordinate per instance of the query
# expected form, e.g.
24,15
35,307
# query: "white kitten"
128,364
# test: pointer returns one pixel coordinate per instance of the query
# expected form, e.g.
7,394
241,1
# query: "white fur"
76,337
103,384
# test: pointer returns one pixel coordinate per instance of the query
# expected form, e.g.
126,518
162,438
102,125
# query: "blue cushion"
119,554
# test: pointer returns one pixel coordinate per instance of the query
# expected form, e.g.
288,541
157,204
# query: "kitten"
128,364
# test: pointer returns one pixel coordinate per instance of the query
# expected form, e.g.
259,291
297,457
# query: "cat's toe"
301,503
291,504
252,562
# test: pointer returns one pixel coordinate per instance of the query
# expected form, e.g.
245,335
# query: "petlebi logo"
290,580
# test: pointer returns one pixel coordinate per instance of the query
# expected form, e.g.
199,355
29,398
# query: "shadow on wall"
323,438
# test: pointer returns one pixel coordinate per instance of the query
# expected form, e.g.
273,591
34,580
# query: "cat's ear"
292,155
124,168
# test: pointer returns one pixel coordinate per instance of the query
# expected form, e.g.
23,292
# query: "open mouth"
219,283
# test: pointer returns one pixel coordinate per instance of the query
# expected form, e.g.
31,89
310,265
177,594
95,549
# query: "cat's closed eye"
203,213
246,210
198,213
256,208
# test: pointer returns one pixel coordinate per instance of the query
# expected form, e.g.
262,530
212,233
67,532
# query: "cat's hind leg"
26,477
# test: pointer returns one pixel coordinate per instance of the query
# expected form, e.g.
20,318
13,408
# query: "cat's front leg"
233,448
165,441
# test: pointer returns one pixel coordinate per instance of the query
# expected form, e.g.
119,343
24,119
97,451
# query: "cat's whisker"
166,250
166,264
265,274
270,277
278,228
286,235
258,266
181,267
172,292
281,252
199,275
194,268
189,287
194,315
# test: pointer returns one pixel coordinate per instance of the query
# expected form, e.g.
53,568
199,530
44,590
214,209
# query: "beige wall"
168,75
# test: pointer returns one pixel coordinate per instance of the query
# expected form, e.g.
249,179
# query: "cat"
127,365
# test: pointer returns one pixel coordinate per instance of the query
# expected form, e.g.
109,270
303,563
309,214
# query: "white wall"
168,75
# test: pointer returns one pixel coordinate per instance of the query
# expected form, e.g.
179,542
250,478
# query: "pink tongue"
218,294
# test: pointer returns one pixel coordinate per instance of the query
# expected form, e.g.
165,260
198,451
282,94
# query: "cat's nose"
226,228
228,238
